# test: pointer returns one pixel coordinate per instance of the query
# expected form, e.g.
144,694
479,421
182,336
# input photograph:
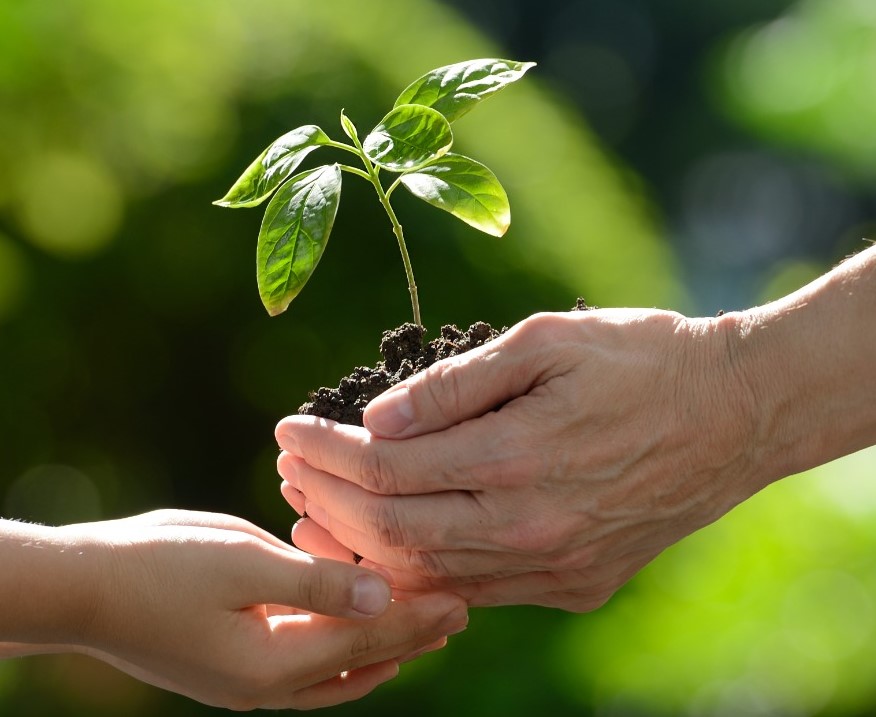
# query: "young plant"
412,142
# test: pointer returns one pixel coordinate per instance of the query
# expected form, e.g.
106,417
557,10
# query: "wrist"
804,362
721,411
51,583
760,376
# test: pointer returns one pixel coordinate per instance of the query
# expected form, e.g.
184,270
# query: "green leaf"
273,167
348,127
294,232
455,89
466,189
408,137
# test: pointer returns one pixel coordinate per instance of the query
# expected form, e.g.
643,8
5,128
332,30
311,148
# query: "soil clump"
405,352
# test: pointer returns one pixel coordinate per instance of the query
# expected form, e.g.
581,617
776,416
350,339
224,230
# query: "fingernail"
390,413
370,595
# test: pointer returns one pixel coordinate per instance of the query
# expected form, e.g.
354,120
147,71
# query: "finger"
452,390
408,626
525,589
314,539
327,587
346,687
421,522
394,565
437,645
383,542
343,645
357,683
293,496
531,588
203,519
417,570
573,601
571,590
493,450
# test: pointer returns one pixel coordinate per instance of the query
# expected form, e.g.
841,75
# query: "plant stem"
355,170
393,186
400,236
373,174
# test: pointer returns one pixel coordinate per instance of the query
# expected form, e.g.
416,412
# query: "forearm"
48,585
808,363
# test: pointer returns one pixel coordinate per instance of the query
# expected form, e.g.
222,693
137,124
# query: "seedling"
412,142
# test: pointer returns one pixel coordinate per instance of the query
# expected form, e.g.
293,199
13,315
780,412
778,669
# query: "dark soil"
405,352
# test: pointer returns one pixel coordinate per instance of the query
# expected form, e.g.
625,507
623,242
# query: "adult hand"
214,608
550,465
545,467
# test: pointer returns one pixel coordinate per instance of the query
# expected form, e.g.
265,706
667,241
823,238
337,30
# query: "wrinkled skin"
541,468
551,464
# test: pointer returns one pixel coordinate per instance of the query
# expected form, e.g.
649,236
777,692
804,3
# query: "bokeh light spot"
69,205
828,614
806,80
53,494
761,66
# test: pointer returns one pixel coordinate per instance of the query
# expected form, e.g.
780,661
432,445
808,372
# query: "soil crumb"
405,352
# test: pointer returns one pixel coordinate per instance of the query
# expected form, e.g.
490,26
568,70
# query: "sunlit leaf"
466,189
294,232
348,127
408,137
273,167
455,89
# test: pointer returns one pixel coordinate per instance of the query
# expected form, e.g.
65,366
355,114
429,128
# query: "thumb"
451,391
320,585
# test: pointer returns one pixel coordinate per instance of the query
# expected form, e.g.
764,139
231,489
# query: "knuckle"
386,526
543,328
162,516
427,563
375,473
440,388
366,642
314,589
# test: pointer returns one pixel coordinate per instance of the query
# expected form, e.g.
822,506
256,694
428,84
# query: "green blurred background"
671,153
